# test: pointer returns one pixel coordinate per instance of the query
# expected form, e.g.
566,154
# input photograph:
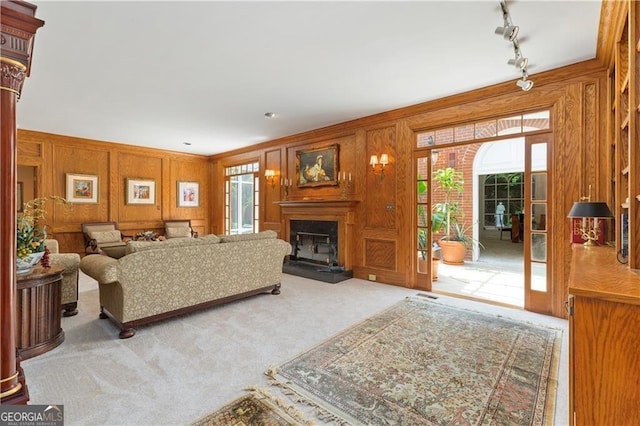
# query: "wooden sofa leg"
125,333
70,309
276,289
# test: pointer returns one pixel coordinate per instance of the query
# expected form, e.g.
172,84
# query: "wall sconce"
270,177
590,212
434,157
384,160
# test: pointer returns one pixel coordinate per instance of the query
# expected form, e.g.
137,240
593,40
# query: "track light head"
519,62
524,84
509,32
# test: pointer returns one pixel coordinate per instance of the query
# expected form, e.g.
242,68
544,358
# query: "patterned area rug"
419,362
259,407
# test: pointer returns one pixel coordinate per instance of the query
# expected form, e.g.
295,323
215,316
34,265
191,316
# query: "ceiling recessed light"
270,114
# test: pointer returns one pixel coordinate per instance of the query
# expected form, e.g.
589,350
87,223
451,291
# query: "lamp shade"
590,209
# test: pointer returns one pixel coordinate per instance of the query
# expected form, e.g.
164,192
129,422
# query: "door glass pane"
539,186
539,247
539,216
538,157
539,276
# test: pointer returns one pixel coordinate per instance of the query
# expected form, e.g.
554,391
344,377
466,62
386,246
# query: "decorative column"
18,28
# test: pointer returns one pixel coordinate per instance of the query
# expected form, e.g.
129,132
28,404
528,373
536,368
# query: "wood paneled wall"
385,220
384,243
55,156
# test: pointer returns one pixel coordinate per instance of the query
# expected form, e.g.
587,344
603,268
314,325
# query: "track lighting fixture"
510,33
523,83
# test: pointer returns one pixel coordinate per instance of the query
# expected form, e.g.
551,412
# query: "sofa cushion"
264,235
106,236
178,232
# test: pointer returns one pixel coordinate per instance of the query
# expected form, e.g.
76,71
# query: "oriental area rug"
420,362
259,407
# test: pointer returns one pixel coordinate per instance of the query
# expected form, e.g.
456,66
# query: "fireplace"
314,241
321,237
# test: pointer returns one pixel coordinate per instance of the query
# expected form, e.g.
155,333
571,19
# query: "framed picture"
19,196
141,191
317,167
188,194
82,188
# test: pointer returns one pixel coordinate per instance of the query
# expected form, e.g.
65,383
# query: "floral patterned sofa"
159,279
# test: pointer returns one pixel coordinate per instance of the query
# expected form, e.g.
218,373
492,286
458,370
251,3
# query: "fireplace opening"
314,251
314,241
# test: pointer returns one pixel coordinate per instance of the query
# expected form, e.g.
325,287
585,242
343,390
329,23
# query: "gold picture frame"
317,167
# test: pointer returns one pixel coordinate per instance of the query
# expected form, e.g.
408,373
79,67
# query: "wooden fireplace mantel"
323,203
341,211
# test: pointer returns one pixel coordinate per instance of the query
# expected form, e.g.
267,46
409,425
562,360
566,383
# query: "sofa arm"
101,268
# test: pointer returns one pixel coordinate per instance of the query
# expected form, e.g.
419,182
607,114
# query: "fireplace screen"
314,241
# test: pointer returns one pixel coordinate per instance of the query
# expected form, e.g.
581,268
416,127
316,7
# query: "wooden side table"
38,311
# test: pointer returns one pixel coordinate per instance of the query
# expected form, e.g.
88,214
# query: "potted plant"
31,233
456,240
424,244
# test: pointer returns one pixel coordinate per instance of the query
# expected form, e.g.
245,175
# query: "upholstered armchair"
179,229
70,262
104,238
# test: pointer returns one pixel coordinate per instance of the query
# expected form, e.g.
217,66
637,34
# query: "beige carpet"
176,371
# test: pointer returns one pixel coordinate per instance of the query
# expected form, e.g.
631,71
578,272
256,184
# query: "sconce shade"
590,209
384,159
374,160
269,173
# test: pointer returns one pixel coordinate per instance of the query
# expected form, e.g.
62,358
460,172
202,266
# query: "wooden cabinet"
604,339
38,307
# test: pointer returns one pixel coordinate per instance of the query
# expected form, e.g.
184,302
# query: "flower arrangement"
148,236
31,230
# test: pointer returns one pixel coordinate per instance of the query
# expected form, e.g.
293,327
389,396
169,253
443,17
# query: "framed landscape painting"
188,194
82,188
317,167
141,191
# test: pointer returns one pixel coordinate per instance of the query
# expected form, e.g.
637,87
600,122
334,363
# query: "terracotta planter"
453,252
422,267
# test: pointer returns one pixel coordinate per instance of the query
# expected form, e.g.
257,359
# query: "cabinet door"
605,362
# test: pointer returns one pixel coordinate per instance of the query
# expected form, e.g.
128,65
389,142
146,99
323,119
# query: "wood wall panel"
380,254
130,166
272,161
187,170
380,204
86,161
113,163
30,149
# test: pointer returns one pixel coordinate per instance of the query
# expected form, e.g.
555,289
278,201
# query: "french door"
537,211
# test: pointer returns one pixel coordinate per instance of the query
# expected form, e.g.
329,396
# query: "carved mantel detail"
12,76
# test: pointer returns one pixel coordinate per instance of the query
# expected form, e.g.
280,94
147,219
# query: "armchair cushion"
103,237
178,232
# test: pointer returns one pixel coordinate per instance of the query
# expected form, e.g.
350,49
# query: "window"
507,190
241,210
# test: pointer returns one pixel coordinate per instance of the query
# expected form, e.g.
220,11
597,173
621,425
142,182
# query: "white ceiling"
163,73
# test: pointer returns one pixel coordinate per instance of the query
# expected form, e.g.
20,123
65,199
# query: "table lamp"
588,210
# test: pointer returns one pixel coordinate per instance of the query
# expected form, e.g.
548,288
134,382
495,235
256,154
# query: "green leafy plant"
31,229
445,213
